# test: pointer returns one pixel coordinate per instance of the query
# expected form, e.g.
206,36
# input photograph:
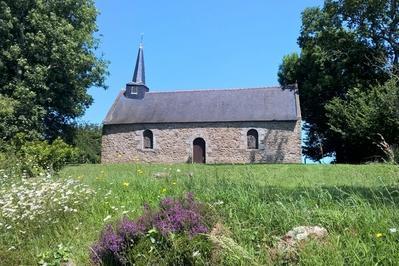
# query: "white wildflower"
219,202
36,201
196,253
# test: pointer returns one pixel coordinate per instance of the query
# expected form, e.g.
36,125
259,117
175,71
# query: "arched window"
252,139
148,139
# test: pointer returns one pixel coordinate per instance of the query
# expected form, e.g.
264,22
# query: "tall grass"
257,205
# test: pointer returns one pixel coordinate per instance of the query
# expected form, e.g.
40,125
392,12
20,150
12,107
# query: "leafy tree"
47,63
7,107
368,120
87,138
346,44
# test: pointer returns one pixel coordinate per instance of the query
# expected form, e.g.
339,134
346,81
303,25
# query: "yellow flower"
378,235
174,183
126,184
140,171
163,190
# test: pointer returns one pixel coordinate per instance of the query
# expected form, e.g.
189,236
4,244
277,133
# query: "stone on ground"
300,234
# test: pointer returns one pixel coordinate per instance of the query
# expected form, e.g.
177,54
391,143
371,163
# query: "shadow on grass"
385,195
377,195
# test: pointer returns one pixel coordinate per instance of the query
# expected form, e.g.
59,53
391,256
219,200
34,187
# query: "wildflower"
196,253
393,230
173,183
379,235
107,218
174,217
126,184
219,202
178,170
163,190
139,171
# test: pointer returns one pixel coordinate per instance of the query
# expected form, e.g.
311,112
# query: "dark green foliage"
363,117
346,44
47,63
87,138
288,70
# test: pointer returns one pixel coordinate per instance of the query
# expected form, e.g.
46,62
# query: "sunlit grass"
257,203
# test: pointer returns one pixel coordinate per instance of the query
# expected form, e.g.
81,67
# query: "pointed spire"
136,89
139,73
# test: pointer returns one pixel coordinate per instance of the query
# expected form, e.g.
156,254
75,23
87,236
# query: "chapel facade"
252,125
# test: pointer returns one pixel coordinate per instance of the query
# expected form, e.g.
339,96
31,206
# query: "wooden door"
199,153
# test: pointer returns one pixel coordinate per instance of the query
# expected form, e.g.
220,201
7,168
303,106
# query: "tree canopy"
47,63
345,45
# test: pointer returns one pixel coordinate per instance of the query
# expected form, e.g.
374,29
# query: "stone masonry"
226,142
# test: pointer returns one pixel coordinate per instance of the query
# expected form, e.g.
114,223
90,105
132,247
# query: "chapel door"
199,150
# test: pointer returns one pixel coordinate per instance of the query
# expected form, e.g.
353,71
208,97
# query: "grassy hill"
358,205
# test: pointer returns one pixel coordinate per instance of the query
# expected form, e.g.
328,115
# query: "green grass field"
257,203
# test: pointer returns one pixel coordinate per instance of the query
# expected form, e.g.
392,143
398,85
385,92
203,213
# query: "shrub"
24,157
48,156
173,234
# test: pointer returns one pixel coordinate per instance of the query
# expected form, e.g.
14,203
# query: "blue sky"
195,44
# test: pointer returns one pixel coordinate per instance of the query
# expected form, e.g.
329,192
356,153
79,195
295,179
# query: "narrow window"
252,139
148,139
134,90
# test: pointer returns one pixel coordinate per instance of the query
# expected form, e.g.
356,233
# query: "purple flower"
130,229
167,202
180,217
111,241
174,216
96,253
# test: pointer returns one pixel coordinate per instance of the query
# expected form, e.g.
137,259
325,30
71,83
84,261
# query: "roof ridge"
215,89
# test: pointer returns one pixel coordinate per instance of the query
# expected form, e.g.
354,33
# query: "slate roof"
225,105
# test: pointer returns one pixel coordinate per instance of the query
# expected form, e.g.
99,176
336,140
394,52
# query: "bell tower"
136,89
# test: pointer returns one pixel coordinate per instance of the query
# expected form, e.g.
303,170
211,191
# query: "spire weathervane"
141,40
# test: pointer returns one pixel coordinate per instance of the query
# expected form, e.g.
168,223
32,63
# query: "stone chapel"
245,125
